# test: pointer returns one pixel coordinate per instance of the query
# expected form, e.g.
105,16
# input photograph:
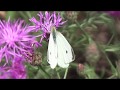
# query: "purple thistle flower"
46,22
15,39
4,74
16,71
115,14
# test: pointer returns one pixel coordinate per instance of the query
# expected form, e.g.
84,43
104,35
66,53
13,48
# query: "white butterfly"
60,51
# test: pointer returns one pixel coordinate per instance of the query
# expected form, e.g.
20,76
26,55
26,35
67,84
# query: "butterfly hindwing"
65,52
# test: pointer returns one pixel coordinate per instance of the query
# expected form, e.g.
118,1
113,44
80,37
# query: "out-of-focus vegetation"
95,38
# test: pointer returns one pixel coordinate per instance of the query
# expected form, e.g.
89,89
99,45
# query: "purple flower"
115,14
15,39
46,22
4,74
17,70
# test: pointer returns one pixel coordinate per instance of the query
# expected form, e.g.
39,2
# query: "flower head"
15,39
115,14
4,74
17,70
46,22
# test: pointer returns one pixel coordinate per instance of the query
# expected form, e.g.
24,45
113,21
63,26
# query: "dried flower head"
35,58
92,53
2,14
72,15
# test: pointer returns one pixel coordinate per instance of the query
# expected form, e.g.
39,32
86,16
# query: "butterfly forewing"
52,52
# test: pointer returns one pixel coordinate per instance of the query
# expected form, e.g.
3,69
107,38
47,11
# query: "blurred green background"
94,37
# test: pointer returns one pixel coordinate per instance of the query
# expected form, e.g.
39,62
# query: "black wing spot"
66,51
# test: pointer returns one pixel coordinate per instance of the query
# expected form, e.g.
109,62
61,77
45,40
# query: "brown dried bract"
2,14
35,58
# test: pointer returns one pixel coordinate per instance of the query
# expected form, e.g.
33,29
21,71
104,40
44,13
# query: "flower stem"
112,77
110,63
29,14
66,71
110,39
22,14
44,71
58,74
87,36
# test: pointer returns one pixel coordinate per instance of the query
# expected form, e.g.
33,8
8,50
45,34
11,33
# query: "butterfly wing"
52,52
65,51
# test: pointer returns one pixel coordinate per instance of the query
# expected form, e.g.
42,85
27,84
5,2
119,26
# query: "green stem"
113,68
22,14
44,71
87,36
111,39
66,71
118,69
111,77
57,74
29,14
